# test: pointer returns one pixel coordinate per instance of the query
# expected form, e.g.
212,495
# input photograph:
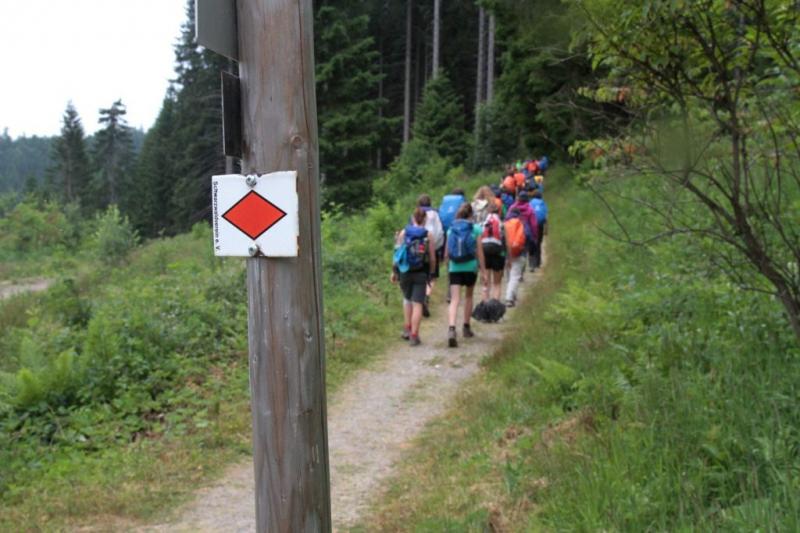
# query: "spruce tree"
181,153
350,122
440,120
155,171
112,157
197,135
68,178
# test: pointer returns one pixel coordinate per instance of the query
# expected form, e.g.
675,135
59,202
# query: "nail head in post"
253,250
251,180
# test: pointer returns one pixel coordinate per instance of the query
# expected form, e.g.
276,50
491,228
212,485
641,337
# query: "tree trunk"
437,8
407,92
481,77
379,152
480,83
490,61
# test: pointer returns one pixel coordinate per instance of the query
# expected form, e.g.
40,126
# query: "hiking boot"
425,311
406,334
414,340
451,338
467,331
510,303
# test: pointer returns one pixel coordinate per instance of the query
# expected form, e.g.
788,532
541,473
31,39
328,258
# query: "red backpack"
493,237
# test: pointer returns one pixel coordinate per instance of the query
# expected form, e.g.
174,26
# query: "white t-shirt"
434,226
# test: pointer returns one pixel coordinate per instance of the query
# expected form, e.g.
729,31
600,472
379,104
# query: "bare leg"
486,289
455,294
407,312
416,318
468,304
497,284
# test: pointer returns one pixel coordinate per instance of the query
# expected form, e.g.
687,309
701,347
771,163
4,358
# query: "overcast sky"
92,52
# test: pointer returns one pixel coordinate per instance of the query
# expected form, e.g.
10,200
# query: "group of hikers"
497,234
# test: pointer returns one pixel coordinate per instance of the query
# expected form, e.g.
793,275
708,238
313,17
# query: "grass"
643,392
176,413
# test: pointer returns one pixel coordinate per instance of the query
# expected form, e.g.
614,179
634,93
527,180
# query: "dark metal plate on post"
231,115
216,27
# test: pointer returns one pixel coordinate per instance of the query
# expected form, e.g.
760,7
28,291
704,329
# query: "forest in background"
374,65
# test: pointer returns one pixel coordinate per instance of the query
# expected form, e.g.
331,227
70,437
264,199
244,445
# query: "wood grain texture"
287,370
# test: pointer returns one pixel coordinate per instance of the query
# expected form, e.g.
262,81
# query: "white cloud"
89,51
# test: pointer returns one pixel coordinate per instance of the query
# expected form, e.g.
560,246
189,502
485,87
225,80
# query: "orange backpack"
510,185
519,177
515,236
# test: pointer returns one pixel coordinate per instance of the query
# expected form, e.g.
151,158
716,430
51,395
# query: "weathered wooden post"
271,213
286,335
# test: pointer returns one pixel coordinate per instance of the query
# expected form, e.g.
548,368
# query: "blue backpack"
412,254
449,208
461,244
507,200
540,208
544,162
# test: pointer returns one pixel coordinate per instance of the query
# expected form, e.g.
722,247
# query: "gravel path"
371,422
9,289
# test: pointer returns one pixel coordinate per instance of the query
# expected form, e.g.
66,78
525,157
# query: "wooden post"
287,370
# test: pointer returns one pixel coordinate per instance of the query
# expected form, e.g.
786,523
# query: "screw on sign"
255,215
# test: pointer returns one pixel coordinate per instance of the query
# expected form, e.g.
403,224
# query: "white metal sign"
255,215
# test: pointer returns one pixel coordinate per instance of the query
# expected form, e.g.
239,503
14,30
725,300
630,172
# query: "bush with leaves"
114,236
31,227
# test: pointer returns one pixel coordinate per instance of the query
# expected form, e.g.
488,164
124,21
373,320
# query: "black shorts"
467,279
414,285
496,262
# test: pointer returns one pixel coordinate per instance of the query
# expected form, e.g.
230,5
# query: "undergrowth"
643,392
125,384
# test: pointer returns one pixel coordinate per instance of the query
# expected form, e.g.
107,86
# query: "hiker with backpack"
494,252
509,188
484,197
528,218
465,261
413,264
436,236
539,207
449,207
516,254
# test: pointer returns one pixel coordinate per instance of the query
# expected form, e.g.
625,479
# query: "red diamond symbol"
253,215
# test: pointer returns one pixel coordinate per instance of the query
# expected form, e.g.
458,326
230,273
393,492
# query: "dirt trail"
9,289
371,421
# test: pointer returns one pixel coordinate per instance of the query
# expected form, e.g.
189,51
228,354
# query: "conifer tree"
350,121
112,156
184,149
440,120
155,170
68,178
197,134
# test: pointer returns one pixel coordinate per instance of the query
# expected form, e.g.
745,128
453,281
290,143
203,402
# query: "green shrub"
114,236
30,227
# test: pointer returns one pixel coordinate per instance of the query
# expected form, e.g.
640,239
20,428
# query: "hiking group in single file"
497,235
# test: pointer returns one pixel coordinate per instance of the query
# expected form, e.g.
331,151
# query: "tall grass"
643,392
125,384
